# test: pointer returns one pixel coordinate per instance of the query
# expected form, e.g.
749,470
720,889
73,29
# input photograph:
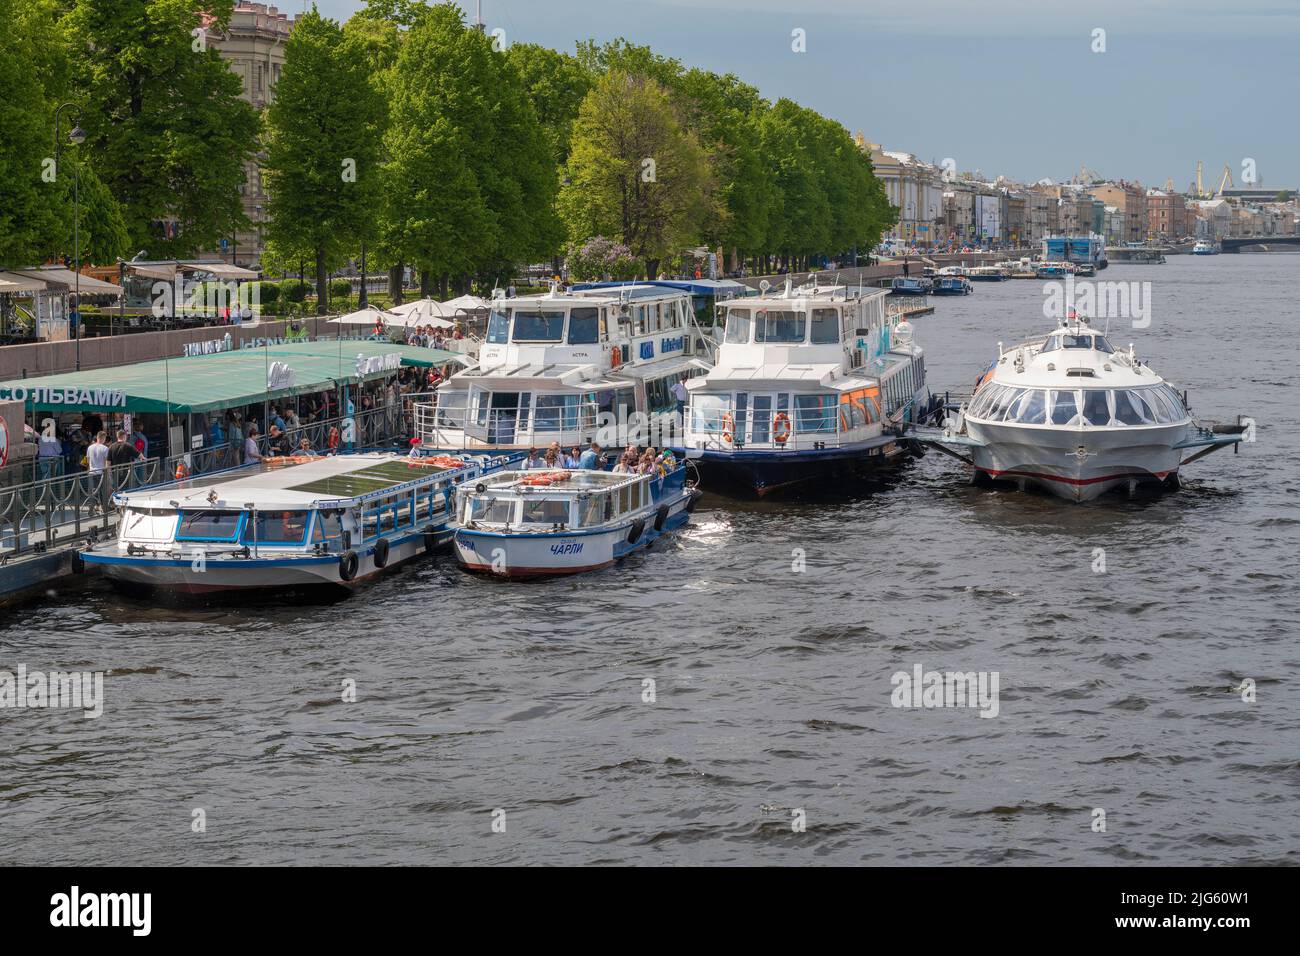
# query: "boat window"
1000,403
584,326
1051,345
707,413
825,326
1096,409
148,525
1033,410
538,326
591,511
1130,409
556,413
1013,407
815,413
278,527
1101,345
1175,401
1065,410
498,330
492,510
771,325
210,525
737,327
1076,341
546,511
329,525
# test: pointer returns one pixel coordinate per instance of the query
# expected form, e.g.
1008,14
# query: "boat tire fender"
692,501
430,540
348,562
381,552
634,533
660,517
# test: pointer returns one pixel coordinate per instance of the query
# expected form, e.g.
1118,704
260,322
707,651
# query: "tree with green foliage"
322,163
634,172
556,84
469,175
166,130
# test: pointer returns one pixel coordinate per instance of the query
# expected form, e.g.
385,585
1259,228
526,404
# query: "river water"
1118,691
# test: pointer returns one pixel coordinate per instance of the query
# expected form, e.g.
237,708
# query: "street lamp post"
76,136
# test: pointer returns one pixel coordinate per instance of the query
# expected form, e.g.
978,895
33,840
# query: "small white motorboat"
524,524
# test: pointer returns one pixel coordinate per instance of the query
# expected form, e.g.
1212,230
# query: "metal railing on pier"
38,515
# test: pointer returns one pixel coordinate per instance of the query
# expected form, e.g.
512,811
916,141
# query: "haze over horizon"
1009,87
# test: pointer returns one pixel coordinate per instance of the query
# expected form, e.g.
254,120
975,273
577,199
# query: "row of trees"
166,135
408,134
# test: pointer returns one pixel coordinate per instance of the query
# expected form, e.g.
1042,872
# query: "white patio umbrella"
368,316
465,303
424,312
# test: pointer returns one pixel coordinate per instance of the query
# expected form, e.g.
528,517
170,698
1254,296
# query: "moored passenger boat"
1205,247
286,524
522,524
911,285
1053,270
810,383
1070,414
998,273
563,366
951,285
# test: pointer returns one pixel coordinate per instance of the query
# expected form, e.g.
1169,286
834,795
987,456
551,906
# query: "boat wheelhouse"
1069,413
287,523
1054,270
809,383
522,524
951,285
911,285
569,366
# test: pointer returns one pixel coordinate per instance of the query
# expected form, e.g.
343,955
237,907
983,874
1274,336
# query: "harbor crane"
1225,181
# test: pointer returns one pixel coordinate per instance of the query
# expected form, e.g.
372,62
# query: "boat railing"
439,423
38,515
826,427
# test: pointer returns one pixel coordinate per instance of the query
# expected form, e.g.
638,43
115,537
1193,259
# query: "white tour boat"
1070,414
522,524
565,366
1205,247
810,383
285,525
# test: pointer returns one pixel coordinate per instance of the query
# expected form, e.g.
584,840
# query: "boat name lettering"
647,350
280,375
672,345
573,547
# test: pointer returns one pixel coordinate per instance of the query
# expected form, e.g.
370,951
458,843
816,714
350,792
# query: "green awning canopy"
201,383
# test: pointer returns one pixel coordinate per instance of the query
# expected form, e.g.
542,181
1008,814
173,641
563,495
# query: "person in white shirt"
97,454
679,393
251,451
533,460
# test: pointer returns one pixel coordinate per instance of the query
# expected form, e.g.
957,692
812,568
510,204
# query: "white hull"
267,571
516,555
1077,464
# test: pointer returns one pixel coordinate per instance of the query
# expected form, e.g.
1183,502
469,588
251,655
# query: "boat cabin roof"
589,297
1072,356
570,481
336,480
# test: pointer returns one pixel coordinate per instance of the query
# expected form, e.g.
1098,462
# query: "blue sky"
1006,86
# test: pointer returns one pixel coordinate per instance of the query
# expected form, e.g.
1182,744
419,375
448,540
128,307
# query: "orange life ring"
181,471
728,428
782,429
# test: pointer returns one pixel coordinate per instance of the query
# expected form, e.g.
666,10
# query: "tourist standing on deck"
591,457
679,393
251,452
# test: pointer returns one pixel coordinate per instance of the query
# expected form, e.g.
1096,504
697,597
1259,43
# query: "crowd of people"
428,337
635,460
